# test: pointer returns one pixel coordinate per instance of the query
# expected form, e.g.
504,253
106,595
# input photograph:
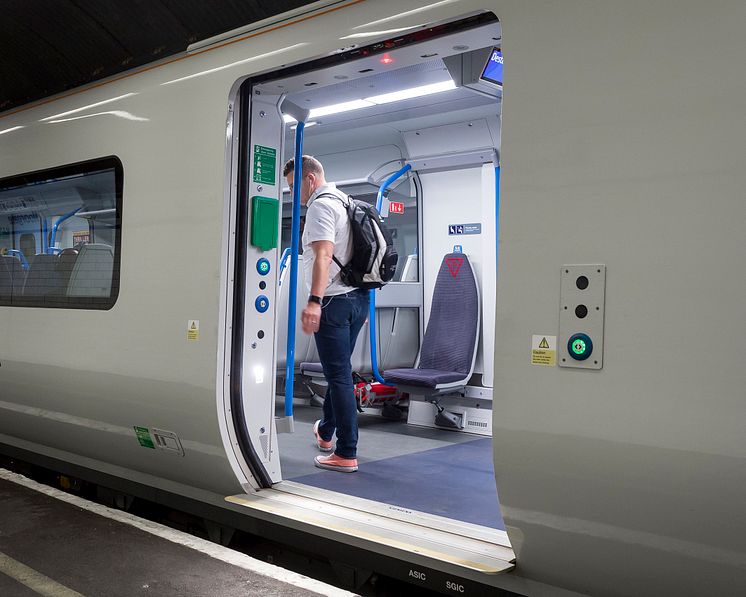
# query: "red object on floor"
372,393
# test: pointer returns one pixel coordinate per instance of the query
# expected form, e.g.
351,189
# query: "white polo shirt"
326,219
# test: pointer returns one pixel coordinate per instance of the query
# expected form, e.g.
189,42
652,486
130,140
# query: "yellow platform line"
34,580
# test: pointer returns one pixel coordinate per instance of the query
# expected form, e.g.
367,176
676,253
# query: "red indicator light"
387,59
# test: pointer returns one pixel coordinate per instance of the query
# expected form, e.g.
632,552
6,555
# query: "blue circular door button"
263,266
580,346
261,303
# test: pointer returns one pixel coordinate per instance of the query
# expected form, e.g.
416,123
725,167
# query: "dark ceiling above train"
49,46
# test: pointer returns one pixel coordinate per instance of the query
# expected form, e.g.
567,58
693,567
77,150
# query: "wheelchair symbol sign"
455,229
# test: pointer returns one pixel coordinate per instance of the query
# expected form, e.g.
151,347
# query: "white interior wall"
68,228
456,197
489,268
450,138
461,197
351,154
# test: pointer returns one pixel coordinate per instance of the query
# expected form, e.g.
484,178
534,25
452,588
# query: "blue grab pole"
372,309
497,216
21,257
294,234
56,226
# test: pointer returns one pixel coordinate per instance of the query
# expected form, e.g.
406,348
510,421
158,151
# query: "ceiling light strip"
376,100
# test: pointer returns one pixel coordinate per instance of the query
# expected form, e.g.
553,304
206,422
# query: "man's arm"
323,251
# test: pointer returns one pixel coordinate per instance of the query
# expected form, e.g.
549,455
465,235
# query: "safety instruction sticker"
193,329
265,163
475,228
143,436
544,350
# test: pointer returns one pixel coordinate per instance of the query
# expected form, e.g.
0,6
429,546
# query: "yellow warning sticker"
544,350
193,329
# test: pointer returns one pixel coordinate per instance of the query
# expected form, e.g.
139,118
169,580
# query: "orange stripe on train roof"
179,58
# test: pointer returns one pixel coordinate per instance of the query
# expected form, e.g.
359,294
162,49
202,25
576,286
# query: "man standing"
334,313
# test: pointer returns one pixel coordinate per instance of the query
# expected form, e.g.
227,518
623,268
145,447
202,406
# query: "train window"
60,236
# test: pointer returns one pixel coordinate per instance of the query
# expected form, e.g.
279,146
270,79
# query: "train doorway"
416,129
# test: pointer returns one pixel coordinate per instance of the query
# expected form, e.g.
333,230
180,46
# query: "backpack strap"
347,207
333,196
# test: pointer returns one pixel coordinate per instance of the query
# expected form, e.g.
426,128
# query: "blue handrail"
294,234
283,265
497,217
53,240
372,312
21,257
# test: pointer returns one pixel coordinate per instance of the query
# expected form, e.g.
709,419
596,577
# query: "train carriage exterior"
131,303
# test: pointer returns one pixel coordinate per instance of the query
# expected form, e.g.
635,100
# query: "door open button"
580,346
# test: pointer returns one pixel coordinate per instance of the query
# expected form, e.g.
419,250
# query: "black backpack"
374,258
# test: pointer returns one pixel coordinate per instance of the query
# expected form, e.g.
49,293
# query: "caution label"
193,329
544,350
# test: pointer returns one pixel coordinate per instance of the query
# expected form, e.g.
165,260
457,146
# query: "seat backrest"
410,272
42,278
92,272
65,264
6,281
450,342
16,277
303,341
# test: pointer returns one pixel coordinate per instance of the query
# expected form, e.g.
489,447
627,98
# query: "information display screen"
493,71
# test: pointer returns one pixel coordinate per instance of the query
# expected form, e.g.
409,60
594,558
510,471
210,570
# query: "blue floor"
455,481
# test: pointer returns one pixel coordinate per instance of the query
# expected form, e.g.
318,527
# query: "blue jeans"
342,316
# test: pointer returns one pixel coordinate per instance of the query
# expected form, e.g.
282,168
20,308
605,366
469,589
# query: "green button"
578,347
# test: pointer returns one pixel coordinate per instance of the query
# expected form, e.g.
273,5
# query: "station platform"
57,544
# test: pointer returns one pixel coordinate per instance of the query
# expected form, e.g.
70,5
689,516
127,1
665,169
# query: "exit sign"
396,208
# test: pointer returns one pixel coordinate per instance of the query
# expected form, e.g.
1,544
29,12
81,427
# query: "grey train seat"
42,278
12,277
66,263
6,280
449,348
398,338
92,273
304,344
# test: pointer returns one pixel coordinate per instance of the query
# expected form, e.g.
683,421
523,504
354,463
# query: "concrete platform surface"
53,547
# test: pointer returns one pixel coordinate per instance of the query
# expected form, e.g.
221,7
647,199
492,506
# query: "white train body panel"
623,143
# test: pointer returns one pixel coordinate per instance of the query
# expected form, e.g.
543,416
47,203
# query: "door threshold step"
424,519
382,534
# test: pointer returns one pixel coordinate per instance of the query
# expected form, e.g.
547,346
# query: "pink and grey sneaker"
336,463
323,445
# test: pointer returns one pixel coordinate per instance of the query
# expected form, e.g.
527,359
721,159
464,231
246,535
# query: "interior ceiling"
49,46
405,68
444,107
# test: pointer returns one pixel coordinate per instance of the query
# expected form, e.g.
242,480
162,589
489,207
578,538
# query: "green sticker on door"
265,164
143,436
